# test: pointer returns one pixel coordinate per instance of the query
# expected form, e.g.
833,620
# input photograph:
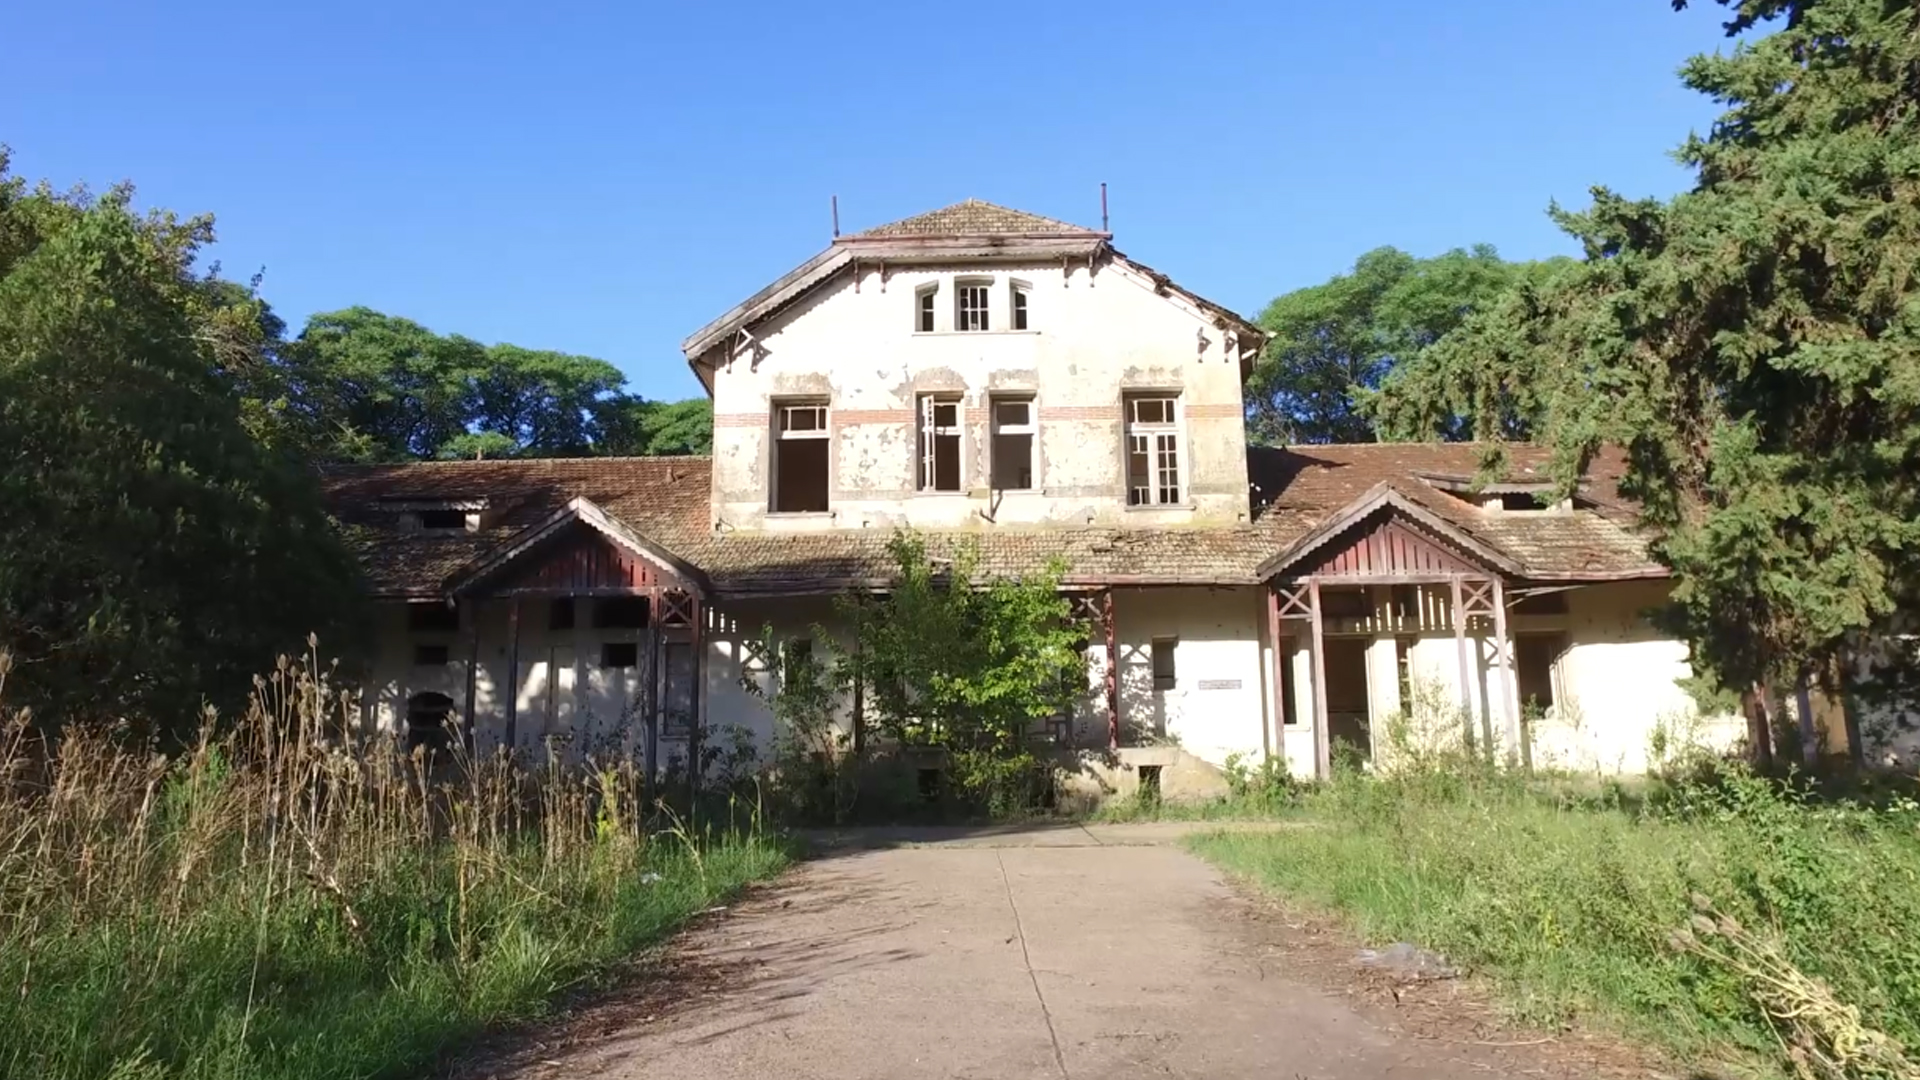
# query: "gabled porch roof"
528,550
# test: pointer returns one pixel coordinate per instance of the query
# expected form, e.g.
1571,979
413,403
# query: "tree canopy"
153,553
1753,343
380,387
1336,343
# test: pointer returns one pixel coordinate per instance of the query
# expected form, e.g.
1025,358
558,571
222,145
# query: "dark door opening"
1349,719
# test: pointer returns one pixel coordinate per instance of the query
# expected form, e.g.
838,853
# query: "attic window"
443,520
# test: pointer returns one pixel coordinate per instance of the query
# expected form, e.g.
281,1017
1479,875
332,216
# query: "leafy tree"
1754,344
403,389
635,426
1334,344
153,554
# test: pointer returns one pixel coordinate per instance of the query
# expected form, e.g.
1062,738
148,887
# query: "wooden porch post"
473,665
1113,672
1460,646
513,677
696,613
1274,730
1509,686
1322,748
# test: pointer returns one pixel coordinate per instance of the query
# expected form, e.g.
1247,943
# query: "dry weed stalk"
1823,1037
290,806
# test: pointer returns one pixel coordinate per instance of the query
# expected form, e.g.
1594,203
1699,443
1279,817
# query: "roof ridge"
973,217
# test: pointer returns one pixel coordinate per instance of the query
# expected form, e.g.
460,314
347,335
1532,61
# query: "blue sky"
604,179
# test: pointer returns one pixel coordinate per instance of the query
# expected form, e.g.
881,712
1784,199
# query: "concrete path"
998,958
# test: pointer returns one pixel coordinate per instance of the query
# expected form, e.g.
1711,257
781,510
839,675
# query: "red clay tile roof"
665,500
973,218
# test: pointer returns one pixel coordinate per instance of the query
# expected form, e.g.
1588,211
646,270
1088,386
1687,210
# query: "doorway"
1349,716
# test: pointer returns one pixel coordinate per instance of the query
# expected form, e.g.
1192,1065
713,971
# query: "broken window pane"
923,319
800,460
1153,450
939,443
1019,308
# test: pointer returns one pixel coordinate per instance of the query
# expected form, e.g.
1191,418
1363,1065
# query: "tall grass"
1574,903
283,901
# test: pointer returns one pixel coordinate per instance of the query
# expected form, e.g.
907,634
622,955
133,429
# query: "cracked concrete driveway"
1068,953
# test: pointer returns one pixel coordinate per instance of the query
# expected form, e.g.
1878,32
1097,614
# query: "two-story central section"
974,367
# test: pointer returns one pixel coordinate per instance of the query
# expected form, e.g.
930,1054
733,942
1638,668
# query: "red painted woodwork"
1383,546
584,560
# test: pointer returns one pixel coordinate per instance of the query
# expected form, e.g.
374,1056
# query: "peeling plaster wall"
1094,336
1219,701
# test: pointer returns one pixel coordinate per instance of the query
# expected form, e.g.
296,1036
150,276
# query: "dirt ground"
1060,953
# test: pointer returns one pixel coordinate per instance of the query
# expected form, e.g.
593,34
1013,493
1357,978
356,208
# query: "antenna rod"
1103,207
836,217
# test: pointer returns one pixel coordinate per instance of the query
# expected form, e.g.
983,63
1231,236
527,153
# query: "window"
1289,708
939,443
970,305
429,716
444,520
796,659
1406,602
429,656
620,613
800,458
923,301
560,614
1403,668
1534,656
1019,306
433,618
1163,672
619,654
677,692
1013,444
1153,450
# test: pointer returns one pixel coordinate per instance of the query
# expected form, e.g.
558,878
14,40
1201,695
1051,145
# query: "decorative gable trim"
585,512
1297,557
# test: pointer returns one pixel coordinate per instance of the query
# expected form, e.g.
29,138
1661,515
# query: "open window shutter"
926,442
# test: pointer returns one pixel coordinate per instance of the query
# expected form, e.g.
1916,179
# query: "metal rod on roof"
1103,207
836,217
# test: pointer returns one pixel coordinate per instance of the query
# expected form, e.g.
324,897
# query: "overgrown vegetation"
1587,904
954,672
280,903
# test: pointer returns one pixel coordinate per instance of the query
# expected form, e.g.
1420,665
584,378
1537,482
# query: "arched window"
429,721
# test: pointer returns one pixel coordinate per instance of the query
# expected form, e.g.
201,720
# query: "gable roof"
1300,496
973,218
971,229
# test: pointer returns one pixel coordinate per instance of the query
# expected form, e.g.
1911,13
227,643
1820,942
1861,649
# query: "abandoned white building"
991,377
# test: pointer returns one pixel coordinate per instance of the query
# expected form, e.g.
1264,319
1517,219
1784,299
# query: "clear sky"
604,179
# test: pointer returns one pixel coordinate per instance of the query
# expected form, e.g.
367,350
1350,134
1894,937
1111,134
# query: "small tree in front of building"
957,661
946,659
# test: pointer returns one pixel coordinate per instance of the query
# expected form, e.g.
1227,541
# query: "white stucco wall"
1220,700
1094,335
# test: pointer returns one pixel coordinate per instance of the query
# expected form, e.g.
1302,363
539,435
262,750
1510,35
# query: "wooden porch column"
1322,746
1460,646
1509,685
513,677
473,665
1113,672
1274,730
695,615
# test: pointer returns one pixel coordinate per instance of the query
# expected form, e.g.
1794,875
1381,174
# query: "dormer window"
443,520
971,299
1507,497
437,515
923,308
1019,296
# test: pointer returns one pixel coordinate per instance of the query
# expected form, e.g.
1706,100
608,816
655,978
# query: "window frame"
926,307
1166,646
963,288
1019,305
784,410
927,428
1031,429
1159,435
